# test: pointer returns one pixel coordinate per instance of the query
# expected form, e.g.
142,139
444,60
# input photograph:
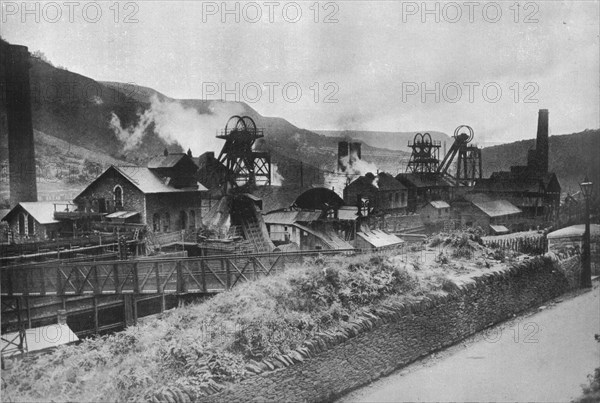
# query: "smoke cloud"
353,167
176,123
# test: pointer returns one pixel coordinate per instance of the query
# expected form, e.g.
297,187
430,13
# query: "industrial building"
164,196
34,221
377,194
531,187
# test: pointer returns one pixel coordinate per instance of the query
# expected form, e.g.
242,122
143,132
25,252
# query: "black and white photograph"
300,201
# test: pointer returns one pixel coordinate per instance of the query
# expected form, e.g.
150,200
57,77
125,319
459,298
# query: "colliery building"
531,187
164,196
375,194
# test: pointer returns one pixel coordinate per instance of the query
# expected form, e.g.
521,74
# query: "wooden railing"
208,274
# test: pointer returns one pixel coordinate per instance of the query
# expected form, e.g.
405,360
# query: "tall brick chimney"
541,143
15,109
343,152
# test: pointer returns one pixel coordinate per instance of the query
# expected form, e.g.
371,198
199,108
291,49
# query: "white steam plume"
176,123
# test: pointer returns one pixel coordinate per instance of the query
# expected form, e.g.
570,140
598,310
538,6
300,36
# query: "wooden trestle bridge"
198,275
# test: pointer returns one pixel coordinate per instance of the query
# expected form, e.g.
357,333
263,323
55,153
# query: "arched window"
167,222
118,197
22,228
182,219
156,222
30,225
192,219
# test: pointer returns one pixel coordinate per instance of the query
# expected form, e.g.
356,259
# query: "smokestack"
355,148
541,143
15,113
343,152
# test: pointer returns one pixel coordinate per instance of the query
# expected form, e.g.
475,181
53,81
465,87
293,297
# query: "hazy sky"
372,60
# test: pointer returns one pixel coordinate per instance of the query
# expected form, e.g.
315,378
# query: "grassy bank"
197,349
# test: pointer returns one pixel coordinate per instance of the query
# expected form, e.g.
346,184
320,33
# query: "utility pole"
586,269
301,175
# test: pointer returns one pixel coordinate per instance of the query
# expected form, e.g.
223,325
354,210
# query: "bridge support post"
130,318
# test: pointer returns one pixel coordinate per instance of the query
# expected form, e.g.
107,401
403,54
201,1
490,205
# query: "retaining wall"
393,336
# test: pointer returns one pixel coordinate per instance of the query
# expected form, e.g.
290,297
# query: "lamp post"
586,270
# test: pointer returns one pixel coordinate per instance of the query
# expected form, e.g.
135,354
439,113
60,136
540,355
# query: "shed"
34,220
434,211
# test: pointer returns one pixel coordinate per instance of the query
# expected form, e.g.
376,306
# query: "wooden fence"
533,245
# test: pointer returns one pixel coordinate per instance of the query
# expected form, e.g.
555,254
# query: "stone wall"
133,198
391,337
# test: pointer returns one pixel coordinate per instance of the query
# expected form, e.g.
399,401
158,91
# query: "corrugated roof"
328,236
379,238
439,204
290,217
145,180
43,212
497,208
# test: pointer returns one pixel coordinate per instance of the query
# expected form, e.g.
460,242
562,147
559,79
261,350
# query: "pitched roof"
388,182
278,197
42,212
143,179
4,212
166,161
379,239
497,208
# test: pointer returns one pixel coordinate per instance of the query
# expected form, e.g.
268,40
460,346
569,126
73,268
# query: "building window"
439,212
118,197
402,197
22,228
156,222
30,225
167,222
183,219
397,198
192,219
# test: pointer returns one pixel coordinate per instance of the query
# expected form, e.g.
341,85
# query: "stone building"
164,196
